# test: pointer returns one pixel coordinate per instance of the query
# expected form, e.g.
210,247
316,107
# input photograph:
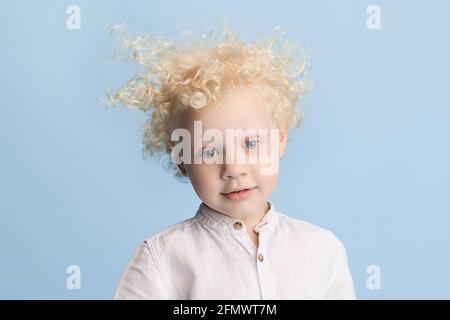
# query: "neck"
251,221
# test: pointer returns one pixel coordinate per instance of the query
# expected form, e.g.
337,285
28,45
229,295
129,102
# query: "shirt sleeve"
341,284
142,279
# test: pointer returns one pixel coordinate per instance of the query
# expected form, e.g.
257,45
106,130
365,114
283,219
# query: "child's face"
243,109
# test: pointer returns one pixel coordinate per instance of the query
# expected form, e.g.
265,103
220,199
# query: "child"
237,246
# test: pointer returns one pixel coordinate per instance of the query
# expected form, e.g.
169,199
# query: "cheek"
202,179
267,183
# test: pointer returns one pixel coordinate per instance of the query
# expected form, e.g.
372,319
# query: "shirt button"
260,257
237,225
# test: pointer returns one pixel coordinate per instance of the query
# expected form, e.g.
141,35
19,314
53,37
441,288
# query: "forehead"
243,108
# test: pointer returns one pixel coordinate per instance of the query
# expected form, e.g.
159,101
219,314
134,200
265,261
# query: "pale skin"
244,108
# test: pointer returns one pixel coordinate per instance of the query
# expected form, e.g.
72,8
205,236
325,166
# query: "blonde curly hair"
199,69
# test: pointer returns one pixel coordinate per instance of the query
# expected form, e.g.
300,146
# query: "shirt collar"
219,220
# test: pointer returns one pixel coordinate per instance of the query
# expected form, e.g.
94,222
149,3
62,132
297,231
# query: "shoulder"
174,230
170,237
324,252
309,234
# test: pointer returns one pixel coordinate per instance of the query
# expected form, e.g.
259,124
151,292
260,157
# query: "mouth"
238,194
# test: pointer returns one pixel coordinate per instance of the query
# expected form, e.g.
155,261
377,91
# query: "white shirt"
211,256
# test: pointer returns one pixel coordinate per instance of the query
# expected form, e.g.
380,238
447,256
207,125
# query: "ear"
283,135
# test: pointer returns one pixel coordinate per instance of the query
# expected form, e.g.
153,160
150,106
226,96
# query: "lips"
239,194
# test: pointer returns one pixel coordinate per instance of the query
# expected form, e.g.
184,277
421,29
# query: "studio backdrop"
370,160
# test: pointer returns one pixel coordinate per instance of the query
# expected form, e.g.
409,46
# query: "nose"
233,170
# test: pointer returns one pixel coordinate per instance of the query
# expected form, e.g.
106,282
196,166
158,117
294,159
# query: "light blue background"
370,162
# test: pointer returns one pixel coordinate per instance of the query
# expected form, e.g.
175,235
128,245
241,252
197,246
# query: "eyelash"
257,144
206,150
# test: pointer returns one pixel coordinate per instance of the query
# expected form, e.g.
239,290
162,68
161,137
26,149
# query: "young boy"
225,99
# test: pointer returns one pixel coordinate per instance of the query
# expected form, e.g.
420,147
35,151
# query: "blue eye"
251,144
209,153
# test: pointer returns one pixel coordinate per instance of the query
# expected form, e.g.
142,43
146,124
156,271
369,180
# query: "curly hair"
199,69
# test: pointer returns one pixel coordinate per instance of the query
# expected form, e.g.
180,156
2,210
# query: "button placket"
264,272
239,231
